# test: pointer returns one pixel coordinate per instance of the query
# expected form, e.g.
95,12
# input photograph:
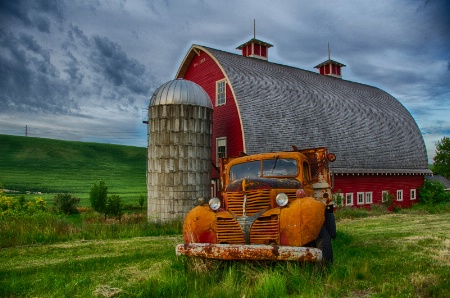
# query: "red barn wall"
204,71
377,184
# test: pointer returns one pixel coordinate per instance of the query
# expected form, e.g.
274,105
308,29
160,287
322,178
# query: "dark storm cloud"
96,61
28,80
37,14
109,59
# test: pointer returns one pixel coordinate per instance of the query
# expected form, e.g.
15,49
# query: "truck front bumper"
250,252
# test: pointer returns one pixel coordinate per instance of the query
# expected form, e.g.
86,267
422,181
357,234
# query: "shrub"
338,198
142,201
114,206
66,203
10,205
98,196
388,198
433,192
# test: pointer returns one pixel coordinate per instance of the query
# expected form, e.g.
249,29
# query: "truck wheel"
323,242
330,222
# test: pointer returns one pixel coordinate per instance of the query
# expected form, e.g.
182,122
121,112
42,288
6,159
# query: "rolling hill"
56,166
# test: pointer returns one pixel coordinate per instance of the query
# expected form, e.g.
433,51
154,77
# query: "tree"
433,192
442,157
66,203
114,206
98,196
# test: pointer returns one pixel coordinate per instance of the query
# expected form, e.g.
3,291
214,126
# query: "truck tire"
330,223
323,242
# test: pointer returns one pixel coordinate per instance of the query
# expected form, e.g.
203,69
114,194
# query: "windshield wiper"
274,165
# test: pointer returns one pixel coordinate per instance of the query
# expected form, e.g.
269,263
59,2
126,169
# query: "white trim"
400,195
413,194
369,197
360,198
347,197
188,59
220,92
217,148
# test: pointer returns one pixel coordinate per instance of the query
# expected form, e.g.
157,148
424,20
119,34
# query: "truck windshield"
276,167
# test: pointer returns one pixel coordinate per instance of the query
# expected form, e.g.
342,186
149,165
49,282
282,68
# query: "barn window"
349,199
221,92
369,198
360,196
221,149
412,194
384,195
400,195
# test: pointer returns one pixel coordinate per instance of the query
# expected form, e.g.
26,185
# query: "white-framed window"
412,194
384,195
400,195
221,149
349,199
369,197
221,92
360,198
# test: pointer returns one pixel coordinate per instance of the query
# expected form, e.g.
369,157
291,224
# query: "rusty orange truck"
273,206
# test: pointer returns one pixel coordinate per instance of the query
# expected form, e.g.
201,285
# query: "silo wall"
179,159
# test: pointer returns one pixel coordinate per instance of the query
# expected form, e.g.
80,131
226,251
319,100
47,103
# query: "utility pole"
26,130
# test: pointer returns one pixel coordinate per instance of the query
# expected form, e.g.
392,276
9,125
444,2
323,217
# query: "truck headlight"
214,204
282,199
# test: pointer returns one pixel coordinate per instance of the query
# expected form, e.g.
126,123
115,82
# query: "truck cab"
273,206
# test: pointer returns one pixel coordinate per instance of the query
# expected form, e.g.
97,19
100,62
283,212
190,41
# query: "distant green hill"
55,166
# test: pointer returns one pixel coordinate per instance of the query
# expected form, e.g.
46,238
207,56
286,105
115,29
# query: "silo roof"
181,91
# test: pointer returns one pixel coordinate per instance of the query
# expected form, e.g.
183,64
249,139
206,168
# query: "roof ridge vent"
255,48
330,67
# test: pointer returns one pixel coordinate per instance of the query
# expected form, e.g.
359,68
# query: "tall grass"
391,255
45,228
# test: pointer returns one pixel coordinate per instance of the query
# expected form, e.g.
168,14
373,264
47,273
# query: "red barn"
261,106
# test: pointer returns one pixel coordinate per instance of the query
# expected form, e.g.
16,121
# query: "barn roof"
368,129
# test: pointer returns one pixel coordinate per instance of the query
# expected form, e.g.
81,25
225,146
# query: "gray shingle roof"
444,181
368,129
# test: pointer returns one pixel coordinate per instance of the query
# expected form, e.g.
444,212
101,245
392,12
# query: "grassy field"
43,254
54,166
395,255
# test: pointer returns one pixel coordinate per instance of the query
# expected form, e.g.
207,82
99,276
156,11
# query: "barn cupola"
255,48
330,67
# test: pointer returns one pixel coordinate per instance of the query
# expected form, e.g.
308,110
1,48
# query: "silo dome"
179,149
181,92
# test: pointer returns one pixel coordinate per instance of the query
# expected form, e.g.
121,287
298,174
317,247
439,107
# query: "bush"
98,196
338,199
10,205
114,206
388,199
66,203
142,201
433,192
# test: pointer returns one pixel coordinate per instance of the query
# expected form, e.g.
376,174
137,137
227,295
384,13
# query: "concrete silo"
179,149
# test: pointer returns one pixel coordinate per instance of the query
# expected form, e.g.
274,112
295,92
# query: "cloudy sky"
85,70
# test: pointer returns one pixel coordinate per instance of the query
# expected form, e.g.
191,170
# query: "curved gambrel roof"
368,129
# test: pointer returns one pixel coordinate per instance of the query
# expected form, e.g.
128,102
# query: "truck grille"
265,230
256,201
229,231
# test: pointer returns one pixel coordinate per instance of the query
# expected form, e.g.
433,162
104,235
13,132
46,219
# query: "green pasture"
32,165
403,254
